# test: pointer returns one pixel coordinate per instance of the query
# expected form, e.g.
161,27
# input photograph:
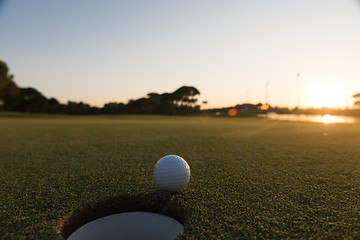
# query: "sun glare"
327,94
327,119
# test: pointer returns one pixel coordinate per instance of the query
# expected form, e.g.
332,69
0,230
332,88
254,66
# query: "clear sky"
106,51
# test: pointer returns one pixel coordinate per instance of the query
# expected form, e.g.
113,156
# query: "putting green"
250,178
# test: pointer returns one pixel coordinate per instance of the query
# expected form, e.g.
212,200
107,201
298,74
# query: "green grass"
251,178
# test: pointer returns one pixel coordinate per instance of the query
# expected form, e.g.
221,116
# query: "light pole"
267,92
298,90
346,99
247,100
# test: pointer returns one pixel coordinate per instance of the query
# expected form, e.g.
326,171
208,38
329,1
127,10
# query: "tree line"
182,101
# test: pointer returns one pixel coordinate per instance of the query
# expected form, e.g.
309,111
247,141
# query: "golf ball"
171,173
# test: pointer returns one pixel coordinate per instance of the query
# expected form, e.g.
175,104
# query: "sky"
113,51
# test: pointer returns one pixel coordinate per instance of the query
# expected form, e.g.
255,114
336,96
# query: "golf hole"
155,216
130,225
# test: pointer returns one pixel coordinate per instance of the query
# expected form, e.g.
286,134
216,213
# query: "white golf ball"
171,173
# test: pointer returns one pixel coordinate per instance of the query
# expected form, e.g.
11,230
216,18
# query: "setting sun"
326,94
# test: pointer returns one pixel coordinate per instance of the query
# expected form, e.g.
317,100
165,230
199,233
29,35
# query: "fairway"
250,178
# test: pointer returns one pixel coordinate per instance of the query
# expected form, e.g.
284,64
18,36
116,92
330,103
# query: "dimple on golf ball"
171,173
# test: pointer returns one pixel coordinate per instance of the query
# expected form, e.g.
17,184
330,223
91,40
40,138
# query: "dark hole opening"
159,202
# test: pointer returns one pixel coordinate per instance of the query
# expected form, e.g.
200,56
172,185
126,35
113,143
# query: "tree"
185,95
31,100
357,103
114,108
138,106
8,88
53,105
3,69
